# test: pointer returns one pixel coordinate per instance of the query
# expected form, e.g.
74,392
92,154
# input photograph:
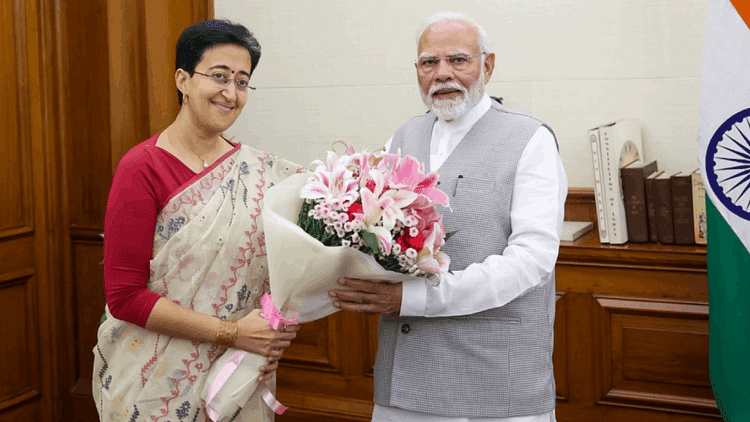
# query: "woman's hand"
256,336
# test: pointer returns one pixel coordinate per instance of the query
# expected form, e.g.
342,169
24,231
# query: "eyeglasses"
459,62
241,82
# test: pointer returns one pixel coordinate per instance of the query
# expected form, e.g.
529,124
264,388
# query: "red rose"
370,185
403,242
355,208
417,242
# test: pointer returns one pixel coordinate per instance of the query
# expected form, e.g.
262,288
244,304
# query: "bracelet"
226,335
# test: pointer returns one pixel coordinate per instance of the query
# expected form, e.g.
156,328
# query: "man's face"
451,85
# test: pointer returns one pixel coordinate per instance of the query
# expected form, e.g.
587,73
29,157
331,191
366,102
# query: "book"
633,177
663,205
572,230
682,208
620,144
653,233
699,208
599,199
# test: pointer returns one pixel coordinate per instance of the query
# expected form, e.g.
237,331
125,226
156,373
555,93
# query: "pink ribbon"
221,379
275,320
274,317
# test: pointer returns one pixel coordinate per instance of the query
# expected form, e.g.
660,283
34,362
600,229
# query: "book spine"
682,209
634,191
601,210
653,234
611,172
699,210
664,211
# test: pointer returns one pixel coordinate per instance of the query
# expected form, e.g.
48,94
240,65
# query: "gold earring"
185,101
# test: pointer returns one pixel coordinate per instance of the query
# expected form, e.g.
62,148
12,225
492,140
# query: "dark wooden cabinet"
631,339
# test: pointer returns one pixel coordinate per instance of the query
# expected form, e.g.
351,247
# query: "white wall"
344,69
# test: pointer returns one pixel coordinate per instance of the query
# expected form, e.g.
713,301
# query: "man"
475,345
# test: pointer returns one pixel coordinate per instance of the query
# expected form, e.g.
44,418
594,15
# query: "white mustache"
446,85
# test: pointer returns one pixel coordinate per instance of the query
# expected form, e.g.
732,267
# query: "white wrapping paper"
301,271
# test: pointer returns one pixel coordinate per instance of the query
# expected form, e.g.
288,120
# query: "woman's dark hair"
196,39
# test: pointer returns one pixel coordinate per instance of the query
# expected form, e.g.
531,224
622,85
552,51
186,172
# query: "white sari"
209,255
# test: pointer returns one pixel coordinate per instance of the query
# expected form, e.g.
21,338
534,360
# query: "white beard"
452,108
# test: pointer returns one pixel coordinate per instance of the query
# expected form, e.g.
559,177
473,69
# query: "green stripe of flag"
729,318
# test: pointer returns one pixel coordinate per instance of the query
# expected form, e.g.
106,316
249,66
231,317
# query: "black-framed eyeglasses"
459,62
242,82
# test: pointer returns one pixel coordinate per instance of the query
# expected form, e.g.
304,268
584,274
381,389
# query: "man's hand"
374,297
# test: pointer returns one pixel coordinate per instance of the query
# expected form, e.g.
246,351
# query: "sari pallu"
208,255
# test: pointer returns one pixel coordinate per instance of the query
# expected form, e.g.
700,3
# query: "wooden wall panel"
14,195
317,346
653,354
20,382
23,391
88,146
89,294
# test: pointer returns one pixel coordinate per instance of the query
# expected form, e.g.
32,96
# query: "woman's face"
212,104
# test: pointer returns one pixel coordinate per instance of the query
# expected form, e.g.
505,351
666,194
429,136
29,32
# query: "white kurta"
536,214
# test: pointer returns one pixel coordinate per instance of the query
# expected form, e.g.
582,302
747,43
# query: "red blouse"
145,179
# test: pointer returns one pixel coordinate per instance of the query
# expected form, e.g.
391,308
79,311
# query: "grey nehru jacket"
492,364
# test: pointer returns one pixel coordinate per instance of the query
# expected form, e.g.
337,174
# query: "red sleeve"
129,224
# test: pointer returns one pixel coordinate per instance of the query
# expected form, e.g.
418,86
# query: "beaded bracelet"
226,335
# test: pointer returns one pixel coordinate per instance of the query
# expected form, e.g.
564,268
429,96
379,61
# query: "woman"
184,255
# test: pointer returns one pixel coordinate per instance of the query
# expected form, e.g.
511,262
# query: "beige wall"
337,68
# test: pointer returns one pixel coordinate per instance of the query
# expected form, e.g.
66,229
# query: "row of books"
663,207
634,201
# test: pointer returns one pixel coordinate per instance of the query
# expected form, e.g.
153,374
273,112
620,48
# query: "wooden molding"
19,399
561,346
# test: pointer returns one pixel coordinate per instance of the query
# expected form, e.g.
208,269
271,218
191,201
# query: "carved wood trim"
23,91
50,111
335,408
15,277
16,400
11,233
87,233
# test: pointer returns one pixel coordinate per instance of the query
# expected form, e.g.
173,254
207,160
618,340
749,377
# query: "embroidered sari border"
199,176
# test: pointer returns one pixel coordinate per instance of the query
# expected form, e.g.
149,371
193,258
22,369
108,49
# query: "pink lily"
409,174
333,186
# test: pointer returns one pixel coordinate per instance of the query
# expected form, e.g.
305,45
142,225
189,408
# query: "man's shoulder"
426,117
417,122
498,110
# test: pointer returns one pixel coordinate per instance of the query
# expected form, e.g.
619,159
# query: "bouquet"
358,215
380,204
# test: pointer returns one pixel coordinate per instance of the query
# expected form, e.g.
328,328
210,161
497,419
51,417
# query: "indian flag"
724,150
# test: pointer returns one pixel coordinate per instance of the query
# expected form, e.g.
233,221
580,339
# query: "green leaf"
370,240
449,235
